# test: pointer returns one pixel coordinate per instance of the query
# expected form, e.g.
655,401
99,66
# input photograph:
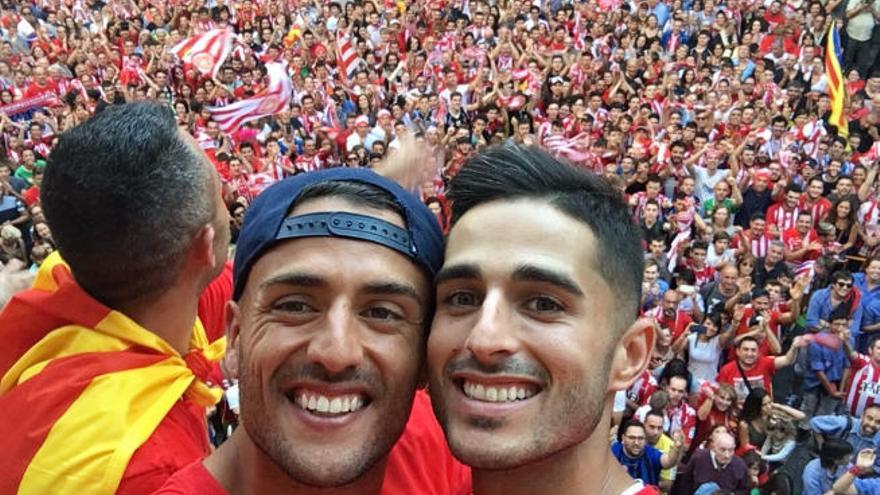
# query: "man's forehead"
535,233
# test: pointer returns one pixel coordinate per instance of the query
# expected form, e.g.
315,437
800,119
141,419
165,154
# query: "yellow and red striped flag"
836,84
83,387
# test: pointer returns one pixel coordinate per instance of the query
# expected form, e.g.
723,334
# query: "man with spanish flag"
102,371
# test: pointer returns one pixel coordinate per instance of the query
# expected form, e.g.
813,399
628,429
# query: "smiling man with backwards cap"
327,332
535,327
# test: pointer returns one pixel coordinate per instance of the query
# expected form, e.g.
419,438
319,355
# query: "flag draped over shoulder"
836,84
83,387
272,100
206,51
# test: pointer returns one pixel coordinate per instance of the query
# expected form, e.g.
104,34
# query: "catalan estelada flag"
83,387
836,84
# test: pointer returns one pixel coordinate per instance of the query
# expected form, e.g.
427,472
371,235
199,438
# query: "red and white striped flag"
275,98
349,60
206,51
576,149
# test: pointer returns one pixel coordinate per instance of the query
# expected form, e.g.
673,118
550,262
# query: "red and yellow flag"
83,387
836,83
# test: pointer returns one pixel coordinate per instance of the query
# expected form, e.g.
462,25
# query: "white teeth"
329,405
497,394
492,394
479,392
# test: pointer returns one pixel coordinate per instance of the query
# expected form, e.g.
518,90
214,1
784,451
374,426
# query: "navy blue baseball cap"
267,222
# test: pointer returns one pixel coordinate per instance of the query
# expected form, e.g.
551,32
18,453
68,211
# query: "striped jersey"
864,390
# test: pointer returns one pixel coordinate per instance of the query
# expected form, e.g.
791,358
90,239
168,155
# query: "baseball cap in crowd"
361,120
268,222
383,113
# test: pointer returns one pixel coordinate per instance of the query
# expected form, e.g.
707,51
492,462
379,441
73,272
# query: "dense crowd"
760,213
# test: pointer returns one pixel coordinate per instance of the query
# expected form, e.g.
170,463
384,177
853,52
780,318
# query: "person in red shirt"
813,201
716,406
801,241
669,316
763,322
41,84
680,416
749,370
326,333
782,215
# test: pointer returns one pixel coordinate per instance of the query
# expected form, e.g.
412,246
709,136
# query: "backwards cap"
267,223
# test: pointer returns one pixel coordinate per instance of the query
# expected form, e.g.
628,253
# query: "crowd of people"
759,213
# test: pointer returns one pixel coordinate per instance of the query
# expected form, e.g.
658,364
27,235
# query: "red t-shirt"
677,325
794,241
179,440
420,463
35,89
760,375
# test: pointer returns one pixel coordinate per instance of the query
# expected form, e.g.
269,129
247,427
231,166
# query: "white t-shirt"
703,360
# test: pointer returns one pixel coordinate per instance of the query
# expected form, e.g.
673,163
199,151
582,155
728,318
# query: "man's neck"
171,316
243,468
563,473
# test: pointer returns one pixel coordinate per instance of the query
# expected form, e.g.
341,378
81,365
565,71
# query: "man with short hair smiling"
525,352
750,370
825,301
326,328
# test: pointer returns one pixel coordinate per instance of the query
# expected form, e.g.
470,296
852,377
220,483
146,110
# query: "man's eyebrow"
460,272
532,273
393,288
301,279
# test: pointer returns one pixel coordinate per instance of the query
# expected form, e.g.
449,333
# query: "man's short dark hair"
124,193
833,449
841,275
513,172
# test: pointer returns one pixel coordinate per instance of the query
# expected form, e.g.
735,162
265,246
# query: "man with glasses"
838,294
642,460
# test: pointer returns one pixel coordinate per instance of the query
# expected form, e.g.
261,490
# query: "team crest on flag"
206,51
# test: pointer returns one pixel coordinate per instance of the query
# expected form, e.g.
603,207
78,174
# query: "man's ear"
233,331
203,247
632,354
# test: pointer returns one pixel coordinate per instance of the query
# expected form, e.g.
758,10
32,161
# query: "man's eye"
380,313
293,307
543,304
462,299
